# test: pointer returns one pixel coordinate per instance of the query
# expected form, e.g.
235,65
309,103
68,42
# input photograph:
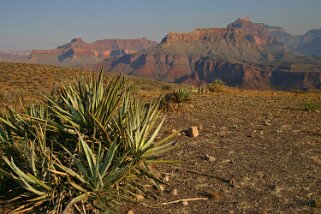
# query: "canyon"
78,53
244,54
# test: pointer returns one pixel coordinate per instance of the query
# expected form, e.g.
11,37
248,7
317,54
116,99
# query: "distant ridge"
79,53
243,54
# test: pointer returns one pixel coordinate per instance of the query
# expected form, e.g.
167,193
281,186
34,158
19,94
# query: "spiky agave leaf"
91,143
140,129
86,102
95,172
34,175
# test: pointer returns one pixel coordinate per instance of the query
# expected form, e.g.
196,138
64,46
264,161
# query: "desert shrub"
201,89
86,148
217,86
311,106
173,100
178,96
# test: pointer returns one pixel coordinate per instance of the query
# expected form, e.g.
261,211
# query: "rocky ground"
257,152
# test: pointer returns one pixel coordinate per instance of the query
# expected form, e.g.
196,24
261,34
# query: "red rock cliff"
99,49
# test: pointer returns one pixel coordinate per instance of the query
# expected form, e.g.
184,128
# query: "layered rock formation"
307,44
14,56
255,76
77,52
310,43
243,54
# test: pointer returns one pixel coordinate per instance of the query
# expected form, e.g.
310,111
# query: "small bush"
173,100
217,86
85,149
311,106
178,96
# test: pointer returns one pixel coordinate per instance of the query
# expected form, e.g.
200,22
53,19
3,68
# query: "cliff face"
241,30
243,54
307,44
188,69
254,76
14,56
254,32
79,52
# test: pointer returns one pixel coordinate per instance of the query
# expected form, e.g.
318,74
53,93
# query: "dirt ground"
257,152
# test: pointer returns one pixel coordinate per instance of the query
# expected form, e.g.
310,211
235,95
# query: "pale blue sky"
34,24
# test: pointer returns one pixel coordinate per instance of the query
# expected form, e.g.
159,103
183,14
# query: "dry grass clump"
217,86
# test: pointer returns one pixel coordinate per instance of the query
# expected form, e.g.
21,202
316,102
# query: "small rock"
209,158
130,212
185,203
234,127
202,186
174,192
267,123
193,131
277,190
140,197
227,161
200,126
166,178
161,188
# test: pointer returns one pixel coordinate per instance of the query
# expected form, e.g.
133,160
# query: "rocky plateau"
244,54
78,53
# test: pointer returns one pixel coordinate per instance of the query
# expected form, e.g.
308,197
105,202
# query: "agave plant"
87,146
179,96
33,171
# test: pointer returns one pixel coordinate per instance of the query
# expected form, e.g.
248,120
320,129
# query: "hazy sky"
34,24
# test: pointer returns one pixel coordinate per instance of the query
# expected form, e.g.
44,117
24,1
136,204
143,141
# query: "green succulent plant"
87,146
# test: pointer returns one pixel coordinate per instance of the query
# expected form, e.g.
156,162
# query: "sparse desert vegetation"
312,106
257,151
28,81
166,107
